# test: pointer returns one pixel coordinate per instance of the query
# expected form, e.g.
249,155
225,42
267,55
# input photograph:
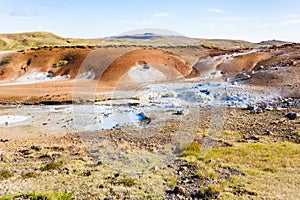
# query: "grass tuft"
5,174
51,166
29,175
192,151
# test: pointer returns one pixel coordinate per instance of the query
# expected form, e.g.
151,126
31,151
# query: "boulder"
179,190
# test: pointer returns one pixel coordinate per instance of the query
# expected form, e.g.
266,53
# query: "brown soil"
280,73
281,68
42,60
138,57
242,63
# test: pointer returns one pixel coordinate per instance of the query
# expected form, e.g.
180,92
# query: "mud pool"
155,102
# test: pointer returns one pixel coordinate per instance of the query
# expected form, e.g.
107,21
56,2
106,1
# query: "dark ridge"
145,36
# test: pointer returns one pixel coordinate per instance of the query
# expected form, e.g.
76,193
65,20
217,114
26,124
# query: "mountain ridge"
27,40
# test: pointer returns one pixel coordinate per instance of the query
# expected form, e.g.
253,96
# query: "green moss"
172,181
51,166
256,156
39,196
271,170
228,135
192,151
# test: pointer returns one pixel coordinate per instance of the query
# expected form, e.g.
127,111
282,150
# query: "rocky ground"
252,150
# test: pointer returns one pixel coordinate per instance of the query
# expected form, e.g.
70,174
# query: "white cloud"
139,23
292,21
161,14
216,10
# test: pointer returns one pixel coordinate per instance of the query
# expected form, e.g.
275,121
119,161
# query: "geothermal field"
149,117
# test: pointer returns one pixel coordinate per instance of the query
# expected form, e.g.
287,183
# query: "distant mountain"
141,37
150,33
274,42
147,36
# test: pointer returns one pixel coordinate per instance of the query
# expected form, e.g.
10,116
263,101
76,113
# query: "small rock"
37,148
253,137
25,152
87,173
4,140
64,171
205,91
45,123
186,180
258,67
280,108
269,108
170,166
182,168
242,76
144,120
109,198
101,186
292,115
99,163
251,72
244,107
178,112
155,168
179,190
251,107
2,153
254,109
269,132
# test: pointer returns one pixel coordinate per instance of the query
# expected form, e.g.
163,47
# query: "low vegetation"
243,170
260,169
20,41
39,196
5,174
51,166
60,63
29,175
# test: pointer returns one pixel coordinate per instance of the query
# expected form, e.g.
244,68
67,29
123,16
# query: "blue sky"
253,20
